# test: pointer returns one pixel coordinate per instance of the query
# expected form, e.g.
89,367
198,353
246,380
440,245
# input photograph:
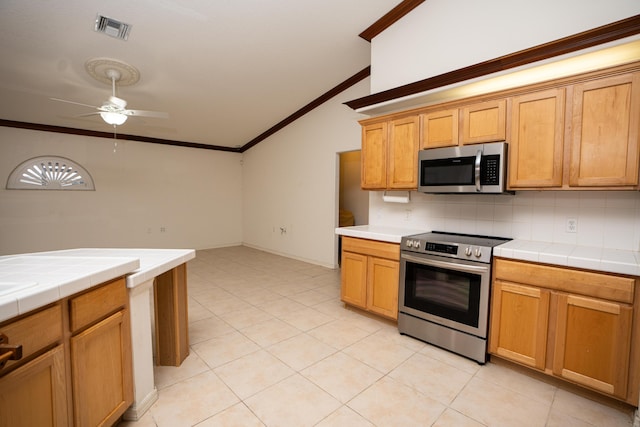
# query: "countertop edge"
378,232
605,260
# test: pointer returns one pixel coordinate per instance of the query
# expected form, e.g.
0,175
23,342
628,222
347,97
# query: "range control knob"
477,253
416,244
467,251
409,243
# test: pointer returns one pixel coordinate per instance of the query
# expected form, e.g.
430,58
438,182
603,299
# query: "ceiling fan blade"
144,113
88,114
73,102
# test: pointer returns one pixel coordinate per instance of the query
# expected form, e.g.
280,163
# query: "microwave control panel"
490,170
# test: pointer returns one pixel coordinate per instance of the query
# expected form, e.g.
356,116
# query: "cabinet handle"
8,352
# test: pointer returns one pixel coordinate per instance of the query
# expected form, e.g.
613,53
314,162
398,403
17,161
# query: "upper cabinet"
373,172
390,154
483,122
580,136
576,133
471,124
604,138
440,129
536,142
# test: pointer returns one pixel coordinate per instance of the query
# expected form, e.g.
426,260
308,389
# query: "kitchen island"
154,278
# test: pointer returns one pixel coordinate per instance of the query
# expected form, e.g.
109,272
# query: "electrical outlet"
572,225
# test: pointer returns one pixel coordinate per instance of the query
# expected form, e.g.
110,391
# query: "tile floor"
272,345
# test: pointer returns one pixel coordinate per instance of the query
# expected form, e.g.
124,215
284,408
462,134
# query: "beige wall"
444,35
291,181
194,194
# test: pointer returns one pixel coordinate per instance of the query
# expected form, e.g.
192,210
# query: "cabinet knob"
8,352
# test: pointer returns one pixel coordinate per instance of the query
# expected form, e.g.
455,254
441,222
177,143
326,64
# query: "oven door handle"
449,265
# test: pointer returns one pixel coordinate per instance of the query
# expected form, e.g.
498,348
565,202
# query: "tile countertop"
153,262
378,232
47,278
50,276
591,258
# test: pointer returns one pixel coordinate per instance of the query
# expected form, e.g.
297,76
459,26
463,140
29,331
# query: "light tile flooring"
272,345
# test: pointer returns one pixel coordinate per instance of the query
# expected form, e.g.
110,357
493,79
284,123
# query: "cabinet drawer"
600,285
96,304
371,247
34,332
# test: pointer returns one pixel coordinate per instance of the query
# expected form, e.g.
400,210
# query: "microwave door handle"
477,170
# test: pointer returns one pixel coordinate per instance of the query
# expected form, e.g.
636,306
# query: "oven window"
445,293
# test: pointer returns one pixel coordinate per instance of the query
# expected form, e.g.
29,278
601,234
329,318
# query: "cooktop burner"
453,245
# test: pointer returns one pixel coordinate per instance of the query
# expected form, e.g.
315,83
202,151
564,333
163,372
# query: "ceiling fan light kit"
110,71
115,119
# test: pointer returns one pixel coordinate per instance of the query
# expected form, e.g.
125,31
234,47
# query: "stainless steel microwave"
478,168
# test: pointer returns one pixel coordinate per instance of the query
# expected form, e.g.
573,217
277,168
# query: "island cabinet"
370,274
33,389
390,154
101,355
578,325
75,366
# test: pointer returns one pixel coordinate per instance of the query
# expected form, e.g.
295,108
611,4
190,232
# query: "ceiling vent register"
112,27
50,173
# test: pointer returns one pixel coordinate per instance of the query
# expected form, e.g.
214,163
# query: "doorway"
353,201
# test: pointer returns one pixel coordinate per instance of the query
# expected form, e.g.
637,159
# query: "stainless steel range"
445,281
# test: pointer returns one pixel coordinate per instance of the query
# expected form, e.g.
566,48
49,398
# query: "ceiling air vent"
112,27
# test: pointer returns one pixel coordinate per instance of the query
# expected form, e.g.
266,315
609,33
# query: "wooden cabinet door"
592,345
484,122
404,144
536,145
382,287
440,129
374,157
101,371
35,394
605,132
519,319
354,279
403,153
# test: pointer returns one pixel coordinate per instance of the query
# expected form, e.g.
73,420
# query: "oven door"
452,293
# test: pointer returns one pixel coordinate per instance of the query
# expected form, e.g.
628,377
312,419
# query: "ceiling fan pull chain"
115,139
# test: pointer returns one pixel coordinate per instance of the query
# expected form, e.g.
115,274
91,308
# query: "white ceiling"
224,70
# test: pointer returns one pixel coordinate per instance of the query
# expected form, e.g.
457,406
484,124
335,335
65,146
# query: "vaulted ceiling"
225,71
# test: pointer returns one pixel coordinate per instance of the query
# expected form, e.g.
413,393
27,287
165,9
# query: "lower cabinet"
370,274
101,372
573,324
592,343
75,368
35,394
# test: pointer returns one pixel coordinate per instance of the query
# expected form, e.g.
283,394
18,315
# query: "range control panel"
476,248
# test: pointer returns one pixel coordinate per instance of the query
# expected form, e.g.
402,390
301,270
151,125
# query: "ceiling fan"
113,111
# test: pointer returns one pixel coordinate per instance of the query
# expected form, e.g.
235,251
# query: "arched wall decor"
50,173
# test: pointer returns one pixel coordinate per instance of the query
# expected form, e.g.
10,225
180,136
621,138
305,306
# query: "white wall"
444,35
196,195
291,181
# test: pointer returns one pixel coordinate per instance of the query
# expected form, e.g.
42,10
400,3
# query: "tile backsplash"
607,219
